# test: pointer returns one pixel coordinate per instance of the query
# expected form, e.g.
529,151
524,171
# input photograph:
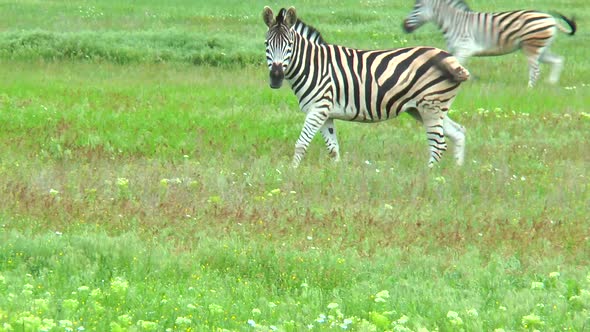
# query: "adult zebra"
337,82
470,33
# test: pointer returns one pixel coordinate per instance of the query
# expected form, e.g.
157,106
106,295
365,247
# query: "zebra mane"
459,4
308,32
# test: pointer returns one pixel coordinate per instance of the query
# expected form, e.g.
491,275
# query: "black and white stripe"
337,82
469,33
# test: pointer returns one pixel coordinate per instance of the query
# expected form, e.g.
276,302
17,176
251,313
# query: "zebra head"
279,42
421,14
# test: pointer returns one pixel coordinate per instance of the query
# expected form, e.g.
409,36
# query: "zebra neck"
446,17
308,59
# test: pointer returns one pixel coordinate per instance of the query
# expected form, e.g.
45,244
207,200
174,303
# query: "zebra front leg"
313,121
329,133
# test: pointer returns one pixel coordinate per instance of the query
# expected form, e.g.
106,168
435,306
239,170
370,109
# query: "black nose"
276,75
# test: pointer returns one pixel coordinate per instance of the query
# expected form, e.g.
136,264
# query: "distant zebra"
470,33
336,82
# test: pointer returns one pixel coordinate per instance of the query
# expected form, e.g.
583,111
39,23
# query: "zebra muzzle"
408,28
276,76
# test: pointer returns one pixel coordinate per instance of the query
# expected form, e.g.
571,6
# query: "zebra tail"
449,65
571,22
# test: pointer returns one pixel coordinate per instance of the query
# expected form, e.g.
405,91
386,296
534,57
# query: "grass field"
145,181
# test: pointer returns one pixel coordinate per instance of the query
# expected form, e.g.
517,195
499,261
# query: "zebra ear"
268,16
291,17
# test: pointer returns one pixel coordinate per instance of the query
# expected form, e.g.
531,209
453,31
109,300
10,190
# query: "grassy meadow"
145,181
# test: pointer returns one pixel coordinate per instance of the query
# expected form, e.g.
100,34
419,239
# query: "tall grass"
141,192
128,47
96,282
155,179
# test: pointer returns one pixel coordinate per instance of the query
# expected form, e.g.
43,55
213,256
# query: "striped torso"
365,86
494,33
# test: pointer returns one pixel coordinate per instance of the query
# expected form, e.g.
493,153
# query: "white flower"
537,285
125,319
83,289
65,323
215,308
452,314
46,325
472,313
384,294
532,320
183,321
332,305
119,285
454,318
122,182
403,319
251,322
554,275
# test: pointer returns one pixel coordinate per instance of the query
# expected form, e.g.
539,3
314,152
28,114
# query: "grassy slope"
165,175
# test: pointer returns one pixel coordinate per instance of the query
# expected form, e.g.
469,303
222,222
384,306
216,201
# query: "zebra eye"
266,43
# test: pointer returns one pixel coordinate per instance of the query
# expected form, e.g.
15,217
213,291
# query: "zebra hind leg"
533,53
456,133
434,125
556,62
329,133
533,71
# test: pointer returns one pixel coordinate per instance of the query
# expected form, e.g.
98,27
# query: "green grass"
142,192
